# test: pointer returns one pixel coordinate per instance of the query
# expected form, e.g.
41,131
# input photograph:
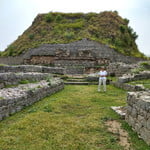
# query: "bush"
58,18
31,36
48,17
122,28
144,63
69,35
134,35
126,21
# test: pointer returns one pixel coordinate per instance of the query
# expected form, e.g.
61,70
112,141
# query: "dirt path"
115,128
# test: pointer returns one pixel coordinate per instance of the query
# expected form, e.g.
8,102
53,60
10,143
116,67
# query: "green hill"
106,27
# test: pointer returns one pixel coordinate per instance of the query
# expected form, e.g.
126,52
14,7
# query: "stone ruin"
80,57
138,113
14,96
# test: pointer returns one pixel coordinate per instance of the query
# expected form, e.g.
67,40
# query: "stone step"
75,80
80,83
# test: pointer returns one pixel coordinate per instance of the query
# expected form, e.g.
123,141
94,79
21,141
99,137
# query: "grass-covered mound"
73,119
106,27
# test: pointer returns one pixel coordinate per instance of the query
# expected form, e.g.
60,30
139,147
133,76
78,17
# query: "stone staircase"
78,81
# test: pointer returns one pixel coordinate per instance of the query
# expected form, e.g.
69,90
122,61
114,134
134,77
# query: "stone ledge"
32,68
120,110
12,105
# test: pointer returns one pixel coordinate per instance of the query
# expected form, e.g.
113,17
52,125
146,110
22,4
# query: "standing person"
102,79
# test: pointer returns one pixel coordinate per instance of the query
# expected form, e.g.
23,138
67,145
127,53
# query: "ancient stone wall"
128,77
18,60
128,87
11,104
75,70
138,113
32,68
86,49
15,78
122,81
118,69
80,63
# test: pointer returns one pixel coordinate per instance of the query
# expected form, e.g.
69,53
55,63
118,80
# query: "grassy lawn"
146,83
73,119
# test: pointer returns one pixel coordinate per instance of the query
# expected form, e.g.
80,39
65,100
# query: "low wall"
17,60
74,70
118,69
32,68
15,104
138,113
128,87
140,76
122,81
14,78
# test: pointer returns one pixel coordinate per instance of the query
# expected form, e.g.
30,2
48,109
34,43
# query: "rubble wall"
138,113
12,105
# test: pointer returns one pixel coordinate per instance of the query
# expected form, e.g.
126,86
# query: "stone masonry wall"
9,106
32,68
138,113
84,48
128,77
118,69
14,78
18,60
122,81
87,49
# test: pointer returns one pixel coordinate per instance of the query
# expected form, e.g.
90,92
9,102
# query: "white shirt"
102,73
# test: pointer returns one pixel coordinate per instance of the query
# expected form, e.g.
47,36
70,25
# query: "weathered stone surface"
138,113
15,99
128,77
32,68
85,53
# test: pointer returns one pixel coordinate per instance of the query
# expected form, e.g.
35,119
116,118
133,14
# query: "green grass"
146,83
26,81
73,119
20,82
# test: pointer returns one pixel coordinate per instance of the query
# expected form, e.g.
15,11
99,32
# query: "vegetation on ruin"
71,119
105,27
145,83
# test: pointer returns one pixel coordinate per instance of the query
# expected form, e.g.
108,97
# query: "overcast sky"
17,15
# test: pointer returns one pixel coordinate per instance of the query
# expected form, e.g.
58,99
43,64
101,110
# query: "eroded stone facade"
138,113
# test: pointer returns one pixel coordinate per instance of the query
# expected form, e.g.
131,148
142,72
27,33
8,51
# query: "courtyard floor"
76,118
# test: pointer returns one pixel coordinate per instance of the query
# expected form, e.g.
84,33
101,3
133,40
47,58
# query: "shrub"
134,35
49,81
69,35
126,21
48,17
144,63
122,28
58,18
31,36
